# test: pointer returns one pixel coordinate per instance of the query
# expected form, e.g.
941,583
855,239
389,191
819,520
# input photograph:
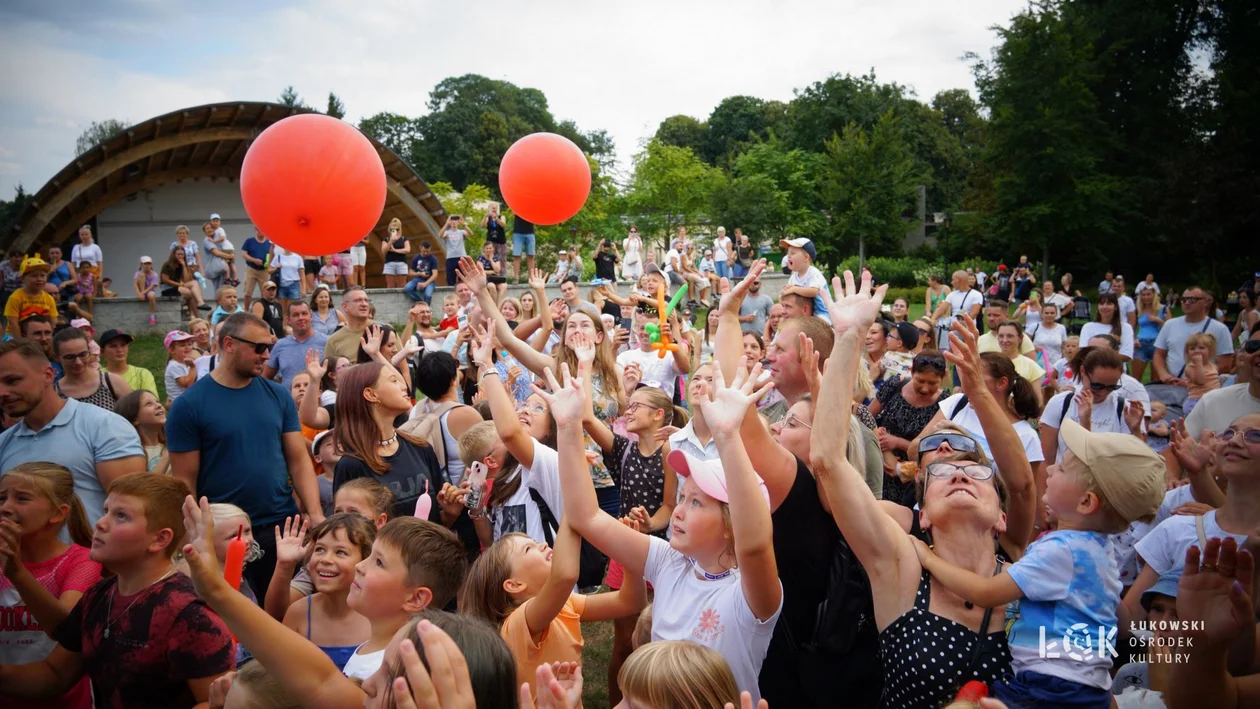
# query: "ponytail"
77,524
1021,396
56,483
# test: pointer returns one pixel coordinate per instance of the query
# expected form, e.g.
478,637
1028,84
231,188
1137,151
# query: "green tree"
670,187
10,210
396,132
683,132
471,203
735,123
871,182
772,192
289,97
336,108
98,133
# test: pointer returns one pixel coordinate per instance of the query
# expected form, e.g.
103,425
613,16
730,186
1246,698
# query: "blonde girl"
1201,373
677,675
1065,378
512,309
364,497
181,364
43,576
335,546
719,562
529,307
525,589
143,410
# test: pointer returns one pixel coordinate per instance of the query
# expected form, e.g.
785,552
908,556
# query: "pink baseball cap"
708,474
82,323
175,336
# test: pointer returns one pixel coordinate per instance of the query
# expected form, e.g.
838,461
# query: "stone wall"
391,306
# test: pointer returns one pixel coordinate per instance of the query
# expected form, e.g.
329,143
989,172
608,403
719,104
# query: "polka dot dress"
641,478
928,658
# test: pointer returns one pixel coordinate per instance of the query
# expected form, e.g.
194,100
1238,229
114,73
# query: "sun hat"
34,263
1130,474
801,243
1165,586
175,336
709,475
114,334
82,323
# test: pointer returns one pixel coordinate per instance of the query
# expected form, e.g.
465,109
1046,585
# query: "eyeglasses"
792,422
636,405
1250,436
1099,386
956,441
1191,298
975,471
76,357
259,347
531,408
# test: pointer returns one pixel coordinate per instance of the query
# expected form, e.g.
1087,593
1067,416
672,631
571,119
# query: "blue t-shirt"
288,356
1071,586
257,249
424,265
221,314
238,434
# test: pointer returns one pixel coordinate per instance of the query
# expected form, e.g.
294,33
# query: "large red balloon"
313,184
545,178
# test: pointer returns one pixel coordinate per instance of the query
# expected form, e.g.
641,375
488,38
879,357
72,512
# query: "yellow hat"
34,263
1130,474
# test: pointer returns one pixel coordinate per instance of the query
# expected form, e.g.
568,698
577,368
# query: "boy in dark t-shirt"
143,637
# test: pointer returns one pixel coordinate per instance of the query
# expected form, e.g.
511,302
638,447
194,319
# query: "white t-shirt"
1133,390
1050,339
363,666
812,278
1094,329
90,253
1173,499
657,371
971,423
520,513
202,364
720,247
1218,409
1173,335
290,264
174,370
711,613
1164,548
1103,416
961,302
980,276
1126,306
1062,302
672,257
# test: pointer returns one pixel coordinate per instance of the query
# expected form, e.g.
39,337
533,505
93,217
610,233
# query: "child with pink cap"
181,369
716,580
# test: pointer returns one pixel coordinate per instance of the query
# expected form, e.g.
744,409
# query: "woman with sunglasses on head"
961,511
1097,404
903,408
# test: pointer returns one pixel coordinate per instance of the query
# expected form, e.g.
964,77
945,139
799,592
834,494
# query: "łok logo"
1078,644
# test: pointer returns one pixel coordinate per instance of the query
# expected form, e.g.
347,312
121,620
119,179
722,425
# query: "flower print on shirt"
709,628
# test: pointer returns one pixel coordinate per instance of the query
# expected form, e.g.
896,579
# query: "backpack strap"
1198,527
1206,323
1067,404
1120,408
958,407
544,513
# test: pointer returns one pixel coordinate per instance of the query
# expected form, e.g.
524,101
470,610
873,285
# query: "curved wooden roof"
205,141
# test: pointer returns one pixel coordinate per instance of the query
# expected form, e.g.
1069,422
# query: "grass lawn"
147,352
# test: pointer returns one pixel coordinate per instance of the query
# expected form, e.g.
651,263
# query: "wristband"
488,371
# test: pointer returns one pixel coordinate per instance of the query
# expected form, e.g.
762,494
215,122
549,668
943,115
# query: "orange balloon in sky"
313,184
544,178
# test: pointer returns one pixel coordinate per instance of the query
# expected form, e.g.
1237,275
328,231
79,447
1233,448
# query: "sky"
620,66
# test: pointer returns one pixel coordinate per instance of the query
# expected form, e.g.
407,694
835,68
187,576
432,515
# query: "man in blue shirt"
288,355
424,272
234,437
256,250
96,445
522,240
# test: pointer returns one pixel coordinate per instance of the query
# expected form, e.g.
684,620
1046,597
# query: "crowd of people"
795,500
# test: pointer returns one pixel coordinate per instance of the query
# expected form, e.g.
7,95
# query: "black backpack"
592,563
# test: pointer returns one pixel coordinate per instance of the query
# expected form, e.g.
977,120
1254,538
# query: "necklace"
709,576
109,611
389,441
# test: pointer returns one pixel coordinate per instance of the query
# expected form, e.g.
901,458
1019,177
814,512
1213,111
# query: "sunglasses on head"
259,347
1099,386
1250,436
956,441
1251,346
975,471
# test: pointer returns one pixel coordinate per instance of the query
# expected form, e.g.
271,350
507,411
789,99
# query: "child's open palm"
725,409
584,347
854,307
203,565
473,274
291,544
568,401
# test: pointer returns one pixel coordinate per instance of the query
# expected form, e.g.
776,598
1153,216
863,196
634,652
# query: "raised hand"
1084,407
631,375
1133,415
733,296
568,402
809,367
473,274
372,340
291,544
726,406
203,565
537,279
855,307
746,702
316,367
481,348
451,500
664,432
964,352
583,347
1217,593
219,689
444,684
1194,456
558,686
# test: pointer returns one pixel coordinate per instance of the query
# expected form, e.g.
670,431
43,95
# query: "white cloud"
622,67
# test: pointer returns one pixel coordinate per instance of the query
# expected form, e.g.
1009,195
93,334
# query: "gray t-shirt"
1175,332
758,305
288,356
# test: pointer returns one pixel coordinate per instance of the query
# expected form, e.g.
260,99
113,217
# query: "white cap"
145,259
215,216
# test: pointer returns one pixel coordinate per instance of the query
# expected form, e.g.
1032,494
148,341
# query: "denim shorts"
1145,351
290,291
522,242
395,268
